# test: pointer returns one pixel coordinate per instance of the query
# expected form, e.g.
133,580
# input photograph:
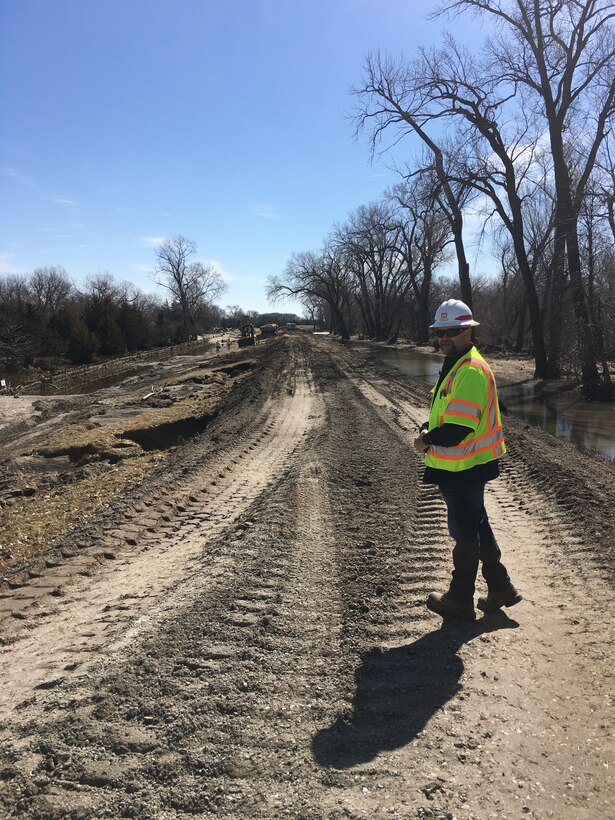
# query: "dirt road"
243,633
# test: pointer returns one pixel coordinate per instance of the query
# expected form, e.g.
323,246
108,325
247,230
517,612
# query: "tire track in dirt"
399,676
220,709
554,708
427,526
541,762
267,750
254,662
307,679
125,591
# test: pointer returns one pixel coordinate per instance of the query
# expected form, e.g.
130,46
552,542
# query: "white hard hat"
454,313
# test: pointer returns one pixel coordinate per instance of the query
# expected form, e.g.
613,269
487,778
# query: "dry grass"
30,525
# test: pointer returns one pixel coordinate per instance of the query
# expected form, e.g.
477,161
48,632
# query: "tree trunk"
521,327
594,310
556,292
531,297
463,267
566,219
422,308
592,386
367,322
394,335
341,323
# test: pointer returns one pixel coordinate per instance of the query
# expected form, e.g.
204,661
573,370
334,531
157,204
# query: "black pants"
469,527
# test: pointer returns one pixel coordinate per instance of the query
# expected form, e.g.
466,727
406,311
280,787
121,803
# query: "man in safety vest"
462,442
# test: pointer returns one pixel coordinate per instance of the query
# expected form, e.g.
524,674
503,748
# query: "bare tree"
498,158
389,97
606,183
424,234
377,265
14,294
104,286
561,56
317,279
368,246
16,344
449,85
50,287
192,283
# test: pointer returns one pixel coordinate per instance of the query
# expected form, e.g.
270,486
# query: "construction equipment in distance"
268,330
247,335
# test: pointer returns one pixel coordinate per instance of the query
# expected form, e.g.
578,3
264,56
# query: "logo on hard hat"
454,313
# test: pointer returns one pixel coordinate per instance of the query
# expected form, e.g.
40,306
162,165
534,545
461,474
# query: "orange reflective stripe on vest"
469,397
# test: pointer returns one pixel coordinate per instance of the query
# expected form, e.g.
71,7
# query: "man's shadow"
398,690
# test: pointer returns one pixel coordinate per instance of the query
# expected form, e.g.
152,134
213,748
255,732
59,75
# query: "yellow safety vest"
467,396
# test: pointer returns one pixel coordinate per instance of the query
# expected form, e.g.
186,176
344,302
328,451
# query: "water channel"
588,425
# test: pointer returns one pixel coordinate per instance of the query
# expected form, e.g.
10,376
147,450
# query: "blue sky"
127,121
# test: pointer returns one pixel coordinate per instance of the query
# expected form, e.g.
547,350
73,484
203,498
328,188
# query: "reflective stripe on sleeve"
492,410
494,439
465,409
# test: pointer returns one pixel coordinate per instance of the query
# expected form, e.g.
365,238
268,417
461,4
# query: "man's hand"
419,445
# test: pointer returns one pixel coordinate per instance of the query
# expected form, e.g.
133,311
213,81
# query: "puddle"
564,414
84,388
107,419
40,464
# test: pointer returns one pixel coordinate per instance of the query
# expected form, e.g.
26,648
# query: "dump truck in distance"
268,330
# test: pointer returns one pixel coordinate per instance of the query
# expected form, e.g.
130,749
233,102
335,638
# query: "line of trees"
375,270
44,315
45,319
520,132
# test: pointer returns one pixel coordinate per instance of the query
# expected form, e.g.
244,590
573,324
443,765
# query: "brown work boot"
443,604
496,600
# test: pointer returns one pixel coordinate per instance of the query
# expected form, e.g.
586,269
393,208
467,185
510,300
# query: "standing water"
589,425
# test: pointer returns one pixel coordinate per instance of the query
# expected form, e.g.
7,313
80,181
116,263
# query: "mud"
241,632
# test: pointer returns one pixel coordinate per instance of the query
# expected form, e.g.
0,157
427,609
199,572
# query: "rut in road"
545,678
297,673
77,615
221,705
